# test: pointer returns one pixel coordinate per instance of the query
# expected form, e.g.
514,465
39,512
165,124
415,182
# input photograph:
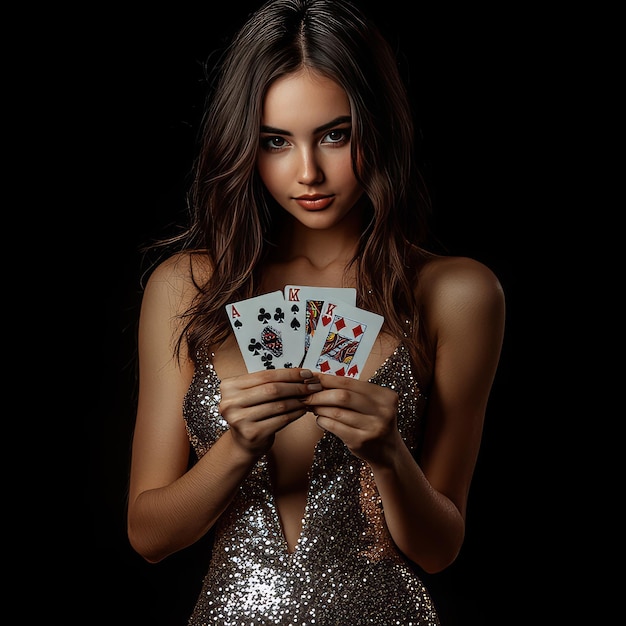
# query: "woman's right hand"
258,405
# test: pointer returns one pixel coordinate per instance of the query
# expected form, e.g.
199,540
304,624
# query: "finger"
262,402
263,426
273,389
285,375
360,395
277,392
269,410
258,435
330,381
343,428
355,408
331,401
325,415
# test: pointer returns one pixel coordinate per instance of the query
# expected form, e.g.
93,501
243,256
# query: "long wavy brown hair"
234,220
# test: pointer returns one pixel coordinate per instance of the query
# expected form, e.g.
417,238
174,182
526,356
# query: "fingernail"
306,373
314,386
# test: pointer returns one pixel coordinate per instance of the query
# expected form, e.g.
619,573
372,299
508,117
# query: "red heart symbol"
353,371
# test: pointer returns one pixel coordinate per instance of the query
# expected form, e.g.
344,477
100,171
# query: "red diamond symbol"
357,330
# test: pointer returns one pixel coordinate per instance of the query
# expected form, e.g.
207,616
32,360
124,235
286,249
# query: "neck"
322,248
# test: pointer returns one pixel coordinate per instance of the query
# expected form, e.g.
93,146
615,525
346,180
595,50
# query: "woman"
326,494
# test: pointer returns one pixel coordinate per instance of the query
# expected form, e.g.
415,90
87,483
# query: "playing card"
304,305
259,324
343,340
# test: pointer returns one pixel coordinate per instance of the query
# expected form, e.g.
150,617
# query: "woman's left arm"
425,501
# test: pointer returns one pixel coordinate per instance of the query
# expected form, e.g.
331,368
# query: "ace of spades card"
304,306
343,340
260,326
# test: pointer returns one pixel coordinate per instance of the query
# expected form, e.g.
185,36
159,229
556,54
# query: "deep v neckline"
203,431
311,474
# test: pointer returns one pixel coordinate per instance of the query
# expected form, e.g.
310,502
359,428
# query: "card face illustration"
304,307
343,339
260,326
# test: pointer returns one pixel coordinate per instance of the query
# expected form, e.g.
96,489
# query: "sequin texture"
345,569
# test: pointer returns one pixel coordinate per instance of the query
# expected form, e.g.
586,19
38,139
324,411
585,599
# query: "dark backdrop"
467,83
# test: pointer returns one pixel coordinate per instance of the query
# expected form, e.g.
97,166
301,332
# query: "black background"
468,75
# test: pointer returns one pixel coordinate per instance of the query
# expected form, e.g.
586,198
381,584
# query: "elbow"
145,544
150,556
443,551
146,531
439,561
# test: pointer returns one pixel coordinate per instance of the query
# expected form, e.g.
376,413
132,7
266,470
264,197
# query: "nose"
310,171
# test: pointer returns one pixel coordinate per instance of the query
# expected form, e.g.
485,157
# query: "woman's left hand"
362,414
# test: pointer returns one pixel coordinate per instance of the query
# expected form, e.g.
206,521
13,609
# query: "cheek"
270,172
345,172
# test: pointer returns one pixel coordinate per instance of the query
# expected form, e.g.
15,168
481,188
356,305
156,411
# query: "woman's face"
304,158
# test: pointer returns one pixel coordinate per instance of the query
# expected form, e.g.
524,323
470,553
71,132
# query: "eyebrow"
342,119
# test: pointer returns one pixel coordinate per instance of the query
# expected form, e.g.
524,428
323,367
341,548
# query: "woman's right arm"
171,507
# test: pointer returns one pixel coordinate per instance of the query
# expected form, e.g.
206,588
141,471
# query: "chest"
291,456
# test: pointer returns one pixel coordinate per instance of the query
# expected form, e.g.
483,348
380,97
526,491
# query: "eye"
273,143
337,136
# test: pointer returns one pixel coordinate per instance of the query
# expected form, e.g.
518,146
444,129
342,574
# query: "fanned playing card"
343,339
260,326
304,306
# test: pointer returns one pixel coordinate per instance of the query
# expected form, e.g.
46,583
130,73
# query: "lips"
314,203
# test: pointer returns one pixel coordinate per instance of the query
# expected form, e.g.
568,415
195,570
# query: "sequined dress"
345,569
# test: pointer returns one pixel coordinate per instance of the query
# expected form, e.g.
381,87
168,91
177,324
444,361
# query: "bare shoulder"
449,285
175,280
442,274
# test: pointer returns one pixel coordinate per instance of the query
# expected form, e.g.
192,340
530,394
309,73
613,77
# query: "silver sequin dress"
345,569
